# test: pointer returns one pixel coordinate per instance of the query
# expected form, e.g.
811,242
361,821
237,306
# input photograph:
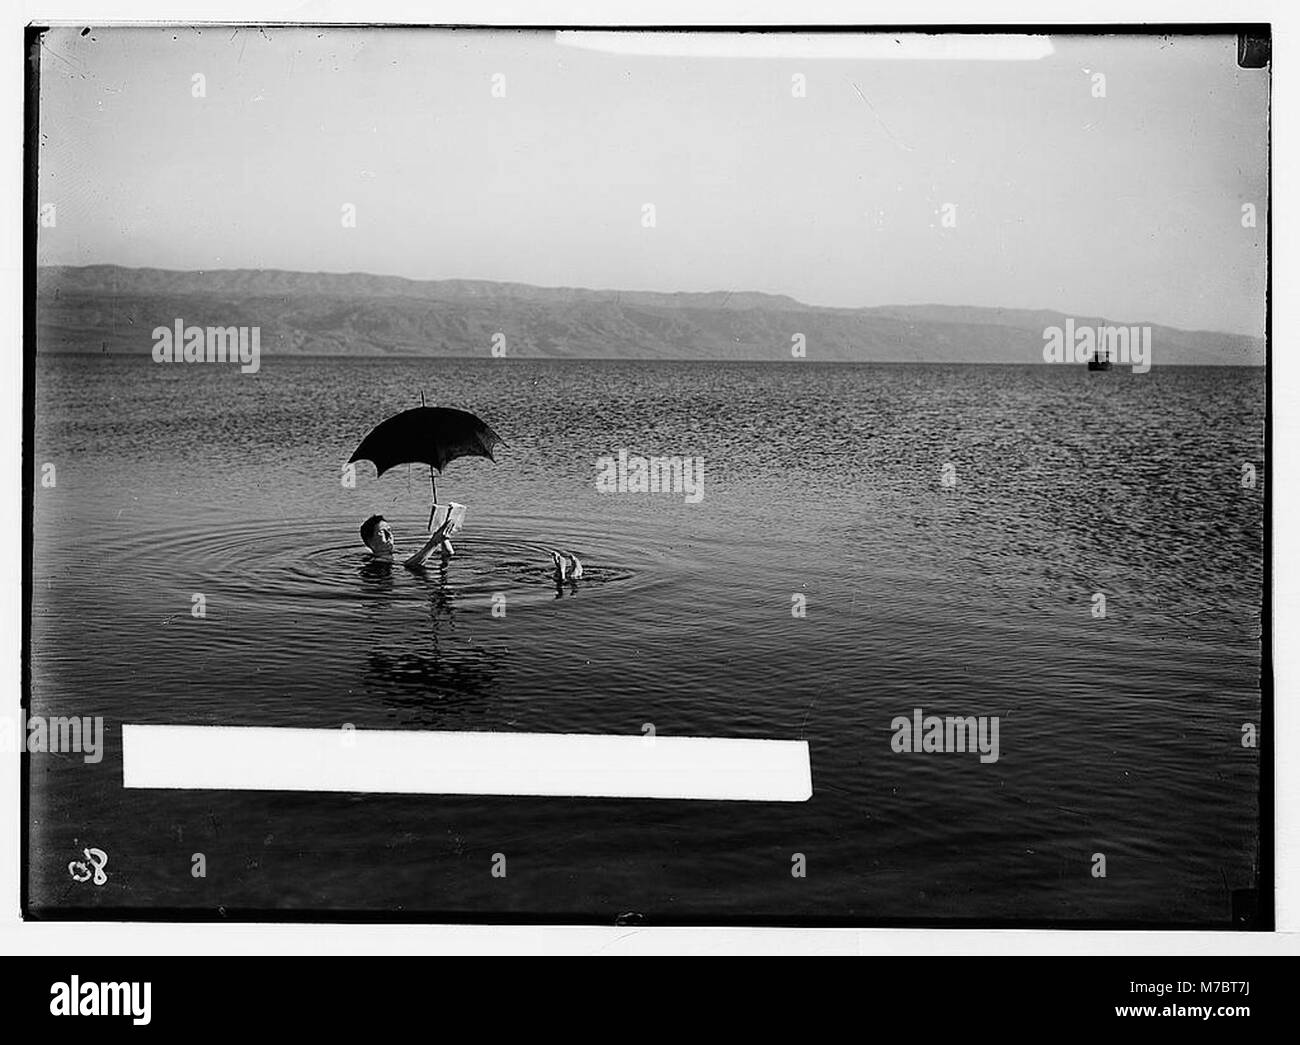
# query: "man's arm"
416,561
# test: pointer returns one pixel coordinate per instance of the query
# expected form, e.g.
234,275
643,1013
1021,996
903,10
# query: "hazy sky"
1127,206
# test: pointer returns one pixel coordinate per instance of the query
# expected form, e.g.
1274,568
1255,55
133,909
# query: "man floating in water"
377,534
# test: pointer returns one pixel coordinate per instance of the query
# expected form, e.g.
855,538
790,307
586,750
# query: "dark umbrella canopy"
432,435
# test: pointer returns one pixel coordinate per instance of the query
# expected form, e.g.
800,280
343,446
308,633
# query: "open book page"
441,512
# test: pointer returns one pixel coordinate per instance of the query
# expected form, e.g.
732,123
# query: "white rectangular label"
256,758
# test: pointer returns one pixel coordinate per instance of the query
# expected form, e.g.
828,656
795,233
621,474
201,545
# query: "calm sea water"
1118,736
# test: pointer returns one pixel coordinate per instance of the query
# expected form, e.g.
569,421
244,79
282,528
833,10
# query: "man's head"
378,535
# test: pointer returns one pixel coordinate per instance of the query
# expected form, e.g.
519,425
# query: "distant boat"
1100,358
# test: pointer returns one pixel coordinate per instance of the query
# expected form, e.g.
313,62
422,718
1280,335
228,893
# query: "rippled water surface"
1118,736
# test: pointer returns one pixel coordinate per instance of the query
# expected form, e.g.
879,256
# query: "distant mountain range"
114,309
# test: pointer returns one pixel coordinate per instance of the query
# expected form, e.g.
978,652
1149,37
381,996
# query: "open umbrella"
432,435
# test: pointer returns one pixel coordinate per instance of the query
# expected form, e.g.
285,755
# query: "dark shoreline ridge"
110,308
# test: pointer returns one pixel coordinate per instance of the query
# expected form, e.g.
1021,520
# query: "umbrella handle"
433,484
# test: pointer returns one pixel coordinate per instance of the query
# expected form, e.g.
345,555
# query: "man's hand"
416,561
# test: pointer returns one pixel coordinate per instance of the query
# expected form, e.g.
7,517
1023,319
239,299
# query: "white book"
440,513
